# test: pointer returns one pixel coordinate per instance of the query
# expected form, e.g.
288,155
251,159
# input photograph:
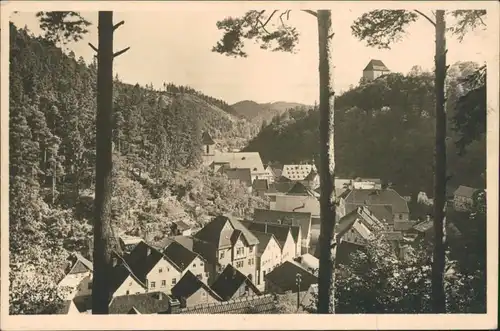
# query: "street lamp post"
298,280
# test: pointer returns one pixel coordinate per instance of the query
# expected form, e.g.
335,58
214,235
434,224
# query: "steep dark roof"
83,303
264,304
212,232
78,264
286,217
260,185
143,259
372,197
180,255
280,186
202,248
229,281
207,139
465,191
284,276
145,303
243,175
189,284
279,232
376,65
182,226
262,227
299,189
264,239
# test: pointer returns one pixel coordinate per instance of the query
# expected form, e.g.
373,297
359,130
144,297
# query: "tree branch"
120,52
268,19
94,48
311,12
116,26
425,16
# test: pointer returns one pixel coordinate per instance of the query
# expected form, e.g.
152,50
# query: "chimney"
148,251
114,261
265,227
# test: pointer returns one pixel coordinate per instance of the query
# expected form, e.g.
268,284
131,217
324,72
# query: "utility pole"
298,280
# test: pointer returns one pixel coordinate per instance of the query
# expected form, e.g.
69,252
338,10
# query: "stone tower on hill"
374,69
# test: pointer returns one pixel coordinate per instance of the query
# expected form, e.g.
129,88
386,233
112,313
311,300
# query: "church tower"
208,145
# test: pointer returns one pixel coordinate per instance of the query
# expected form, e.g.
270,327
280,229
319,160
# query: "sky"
175,45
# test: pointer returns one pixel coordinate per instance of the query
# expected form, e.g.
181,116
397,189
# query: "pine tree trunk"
438,293
326,281
103,241
54,179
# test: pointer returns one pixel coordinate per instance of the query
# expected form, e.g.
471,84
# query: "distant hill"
259,112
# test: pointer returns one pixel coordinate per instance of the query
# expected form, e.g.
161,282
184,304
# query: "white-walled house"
268,256
463,198
78,274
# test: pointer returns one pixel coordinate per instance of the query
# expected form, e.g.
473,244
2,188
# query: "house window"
200,276
240,250
163,283
201,264
194,265
221,255
174,281
239,264
250,261
160,270
250,250
153,284
128,292
400,216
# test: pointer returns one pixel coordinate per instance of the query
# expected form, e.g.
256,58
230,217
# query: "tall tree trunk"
438,265
103,186
54,180
326,281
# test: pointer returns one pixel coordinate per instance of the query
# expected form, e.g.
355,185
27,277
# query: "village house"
187,260
154,269
297,172
301,219
260,187
128,243
270,175
78,276
191,291
309,262
375,69
180,228
232,284
463,198
232,160
268,256
282,234
239,176
284,278
386,204
123,280
229,242
299,199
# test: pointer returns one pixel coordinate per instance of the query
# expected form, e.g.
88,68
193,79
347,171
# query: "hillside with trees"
259,113
156,163
385,129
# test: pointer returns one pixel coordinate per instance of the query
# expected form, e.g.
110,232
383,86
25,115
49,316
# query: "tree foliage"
63,26
260,27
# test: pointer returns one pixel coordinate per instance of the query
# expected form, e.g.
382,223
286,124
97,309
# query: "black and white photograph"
173,158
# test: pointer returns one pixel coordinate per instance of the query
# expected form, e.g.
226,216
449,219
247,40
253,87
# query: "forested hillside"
259,113
383,129
157,178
